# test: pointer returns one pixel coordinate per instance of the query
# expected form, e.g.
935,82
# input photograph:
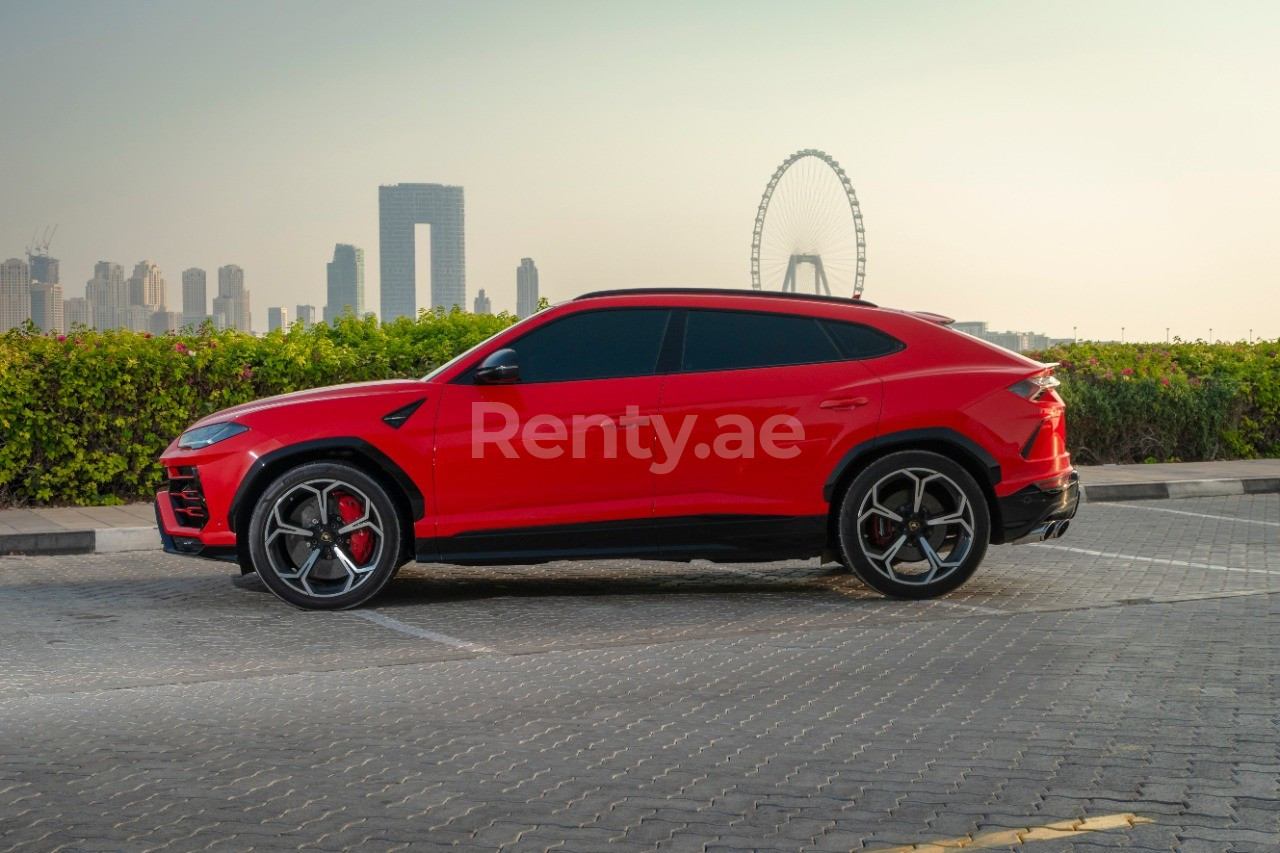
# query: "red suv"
667,424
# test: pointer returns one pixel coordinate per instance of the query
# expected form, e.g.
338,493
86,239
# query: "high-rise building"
137,318
307,314
76,312
164,322
526,288
46,307
44,269
277,318
108,295
148,288
195,297
15,293
400,208
232,301
483,304
346,282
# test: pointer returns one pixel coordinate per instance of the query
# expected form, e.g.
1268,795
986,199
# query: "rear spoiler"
930,317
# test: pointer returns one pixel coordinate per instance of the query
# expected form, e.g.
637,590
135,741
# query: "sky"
1069,168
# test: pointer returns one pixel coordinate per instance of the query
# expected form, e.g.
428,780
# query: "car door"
787,386
573,472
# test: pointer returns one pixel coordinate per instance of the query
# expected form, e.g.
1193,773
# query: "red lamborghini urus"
668,424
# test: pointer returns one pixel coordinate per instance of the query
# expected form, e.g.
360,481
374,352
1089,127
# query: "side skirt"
719,538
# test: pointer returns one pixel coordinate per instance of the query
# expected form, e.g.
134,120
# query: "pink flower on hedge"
246,373
1165,381
1093,361
1128,371
147,335
213,344
62,338
179,348
1109,375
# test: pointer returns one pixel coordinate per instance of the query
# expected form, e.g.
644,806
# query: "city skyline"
1116,160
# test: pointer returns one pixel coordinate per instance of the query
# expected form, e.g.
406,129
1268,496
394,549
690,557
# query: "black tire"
344,570
948,492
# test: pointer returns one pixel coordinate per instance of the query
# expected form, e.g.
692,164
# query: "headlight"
204,436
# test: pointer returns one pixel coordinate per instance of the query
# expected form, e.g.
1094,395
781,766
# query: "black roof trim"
719,291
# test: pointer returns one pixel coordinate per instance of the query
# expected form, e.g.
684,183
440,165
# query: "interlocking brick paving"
146,702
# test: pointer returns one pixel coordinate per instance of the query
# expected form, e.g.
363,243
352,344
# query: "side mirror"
500,368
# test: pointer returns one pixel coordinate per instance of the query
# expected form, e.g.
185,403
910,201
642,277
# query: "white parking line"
1197,514
1182,563
397,625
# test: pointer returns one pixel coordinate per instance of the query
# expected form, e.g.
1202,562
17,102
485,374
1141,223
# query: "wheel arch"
405,494
954,445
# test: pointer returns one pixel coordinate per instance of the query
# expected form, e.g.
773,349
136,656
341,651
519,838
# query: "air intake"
396,419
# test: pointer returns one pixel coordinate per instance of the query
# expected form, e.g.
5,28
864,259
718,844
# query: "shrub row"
1179,402
84,416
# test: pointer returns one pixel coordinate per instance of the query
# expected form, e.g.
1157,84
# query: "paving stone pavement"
147,702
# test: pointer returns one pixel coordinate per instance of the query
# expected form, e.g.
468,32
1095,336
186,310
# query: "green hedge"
84,416
1179,402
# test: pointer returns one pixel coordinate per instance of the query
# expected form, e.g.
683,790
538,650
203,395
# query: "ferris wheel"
809,221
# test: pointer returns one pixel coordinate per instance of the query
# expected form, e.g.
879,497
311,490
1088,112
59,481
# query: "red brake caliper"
361,540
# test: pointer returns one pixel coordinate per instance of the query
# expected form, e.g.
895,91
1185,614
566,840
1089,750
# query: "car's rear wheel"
913,524
325,536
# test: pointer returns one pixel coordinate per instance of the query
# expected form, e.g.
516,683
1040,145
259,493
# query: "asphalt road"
1120,689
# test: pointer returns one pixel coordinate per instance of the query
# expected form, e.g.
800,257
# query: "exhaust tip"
1061,529
1050,531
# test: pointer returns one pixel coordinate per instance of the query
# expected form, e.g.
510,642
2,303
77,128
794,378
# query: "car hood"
313,395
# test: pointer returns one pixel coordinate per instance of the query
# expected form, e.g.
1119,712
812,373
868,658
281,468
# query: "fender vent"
396,419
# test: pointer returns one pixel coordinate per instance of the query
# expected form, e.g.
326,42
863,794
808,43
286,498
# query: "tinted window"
857,341
593,345
731,340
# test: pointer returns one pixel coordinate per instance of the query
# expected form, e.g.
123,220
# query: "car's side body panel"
941,389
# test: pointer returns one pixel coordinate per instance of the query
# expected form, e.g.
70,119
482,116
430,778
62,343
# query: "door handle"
844,403
625,421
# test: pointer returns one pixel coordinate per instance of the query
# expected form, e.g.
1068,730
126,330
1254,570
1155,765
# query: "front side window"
735,340
605,344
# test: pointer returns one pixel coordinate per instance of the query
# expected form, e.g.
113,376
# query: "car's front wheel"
913,524
325,535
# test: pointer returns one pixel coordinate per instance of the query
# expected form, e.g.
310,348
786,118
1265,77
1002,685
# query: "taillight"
1033,386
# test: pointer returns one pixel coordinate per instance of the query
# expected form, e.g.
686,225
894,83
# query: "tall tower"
400,208
483,304
46,307
307,314
15,293
147,295
232,301
195,296
108,295
346,282
526,288
277,318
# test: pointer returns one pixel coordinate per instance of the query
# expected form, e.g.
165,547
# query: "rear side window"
734,340
857,341
593,345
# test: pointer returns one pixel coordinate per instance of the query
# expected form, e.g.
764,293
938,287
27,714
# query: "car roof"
725,293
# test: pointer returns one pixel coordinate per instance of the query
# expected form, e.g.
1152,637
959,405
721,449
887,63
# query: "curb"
1102,492
106,540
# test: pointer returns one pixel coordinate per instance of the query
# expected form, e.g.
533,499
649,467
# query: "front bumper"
176,539
1029,514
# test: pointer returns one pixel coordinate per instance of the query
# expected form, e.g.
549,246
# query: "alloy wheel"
323,537
915,526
